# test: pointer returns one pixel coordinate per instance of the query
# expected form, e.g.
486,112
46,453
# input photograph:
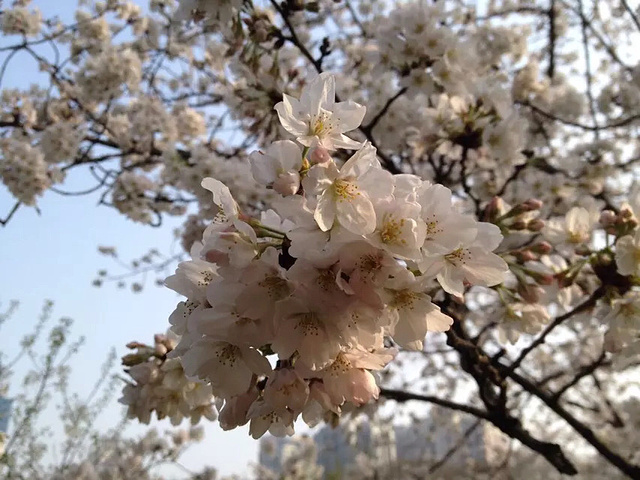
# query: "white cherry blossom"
316,118
279,165
473,263
345,195
229,368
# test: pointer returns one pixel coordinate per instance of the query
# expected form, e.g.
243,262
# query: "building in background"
446,442
5,413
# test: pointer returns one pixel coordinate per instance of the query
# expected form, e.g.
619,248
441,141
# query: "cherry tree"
411,201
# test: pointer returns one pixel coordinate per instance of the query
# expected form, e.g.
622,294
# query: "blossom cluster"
622,317
23,170
344,265
585,251
159,385
20,20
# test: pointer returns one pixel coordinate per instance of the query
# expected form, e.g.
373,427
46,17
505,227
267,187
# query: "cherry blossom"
316,118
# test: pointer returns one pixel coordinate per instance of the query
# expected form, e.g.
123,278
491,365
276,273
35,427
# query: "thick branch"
492,389
552,39
401,396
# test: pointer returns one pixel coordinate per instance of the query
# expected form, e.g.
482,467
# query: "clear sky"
54,256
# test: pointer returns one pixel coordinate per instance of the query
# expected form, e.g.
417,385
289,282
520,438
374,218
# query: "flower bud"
493,209
583,250
545,279
132,359
160,350
526,256
607,218
532,204
518,225
542,248
535,225
319,155
287,183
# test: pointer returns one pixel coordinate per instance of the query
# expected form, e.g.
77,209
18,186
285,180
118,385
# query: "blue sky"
54,256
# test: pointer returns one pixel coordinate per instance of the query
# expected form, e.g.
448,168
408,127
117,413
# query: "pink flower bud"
535,225
532,204
518,225
607,218
287,183
319,155
493,208
526,256
161,350
542,248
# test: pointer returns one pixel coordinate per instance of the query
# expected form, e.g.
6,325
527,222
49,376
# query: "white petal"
221,196
485,268
255,361
451,281
489,236
325,213
349,115
357,215
360,162
320,93
438,321
288,153
341,141
262,168
287,110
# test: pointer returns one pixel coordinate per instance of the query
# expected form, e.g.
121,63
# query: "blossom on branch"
316,118
320,281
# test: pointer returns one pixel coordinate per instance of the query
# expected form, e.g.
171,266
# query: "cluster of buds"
618,224
522,216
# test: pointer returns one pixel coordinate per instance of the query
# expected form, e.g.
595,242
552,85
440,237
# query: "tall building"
5,413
